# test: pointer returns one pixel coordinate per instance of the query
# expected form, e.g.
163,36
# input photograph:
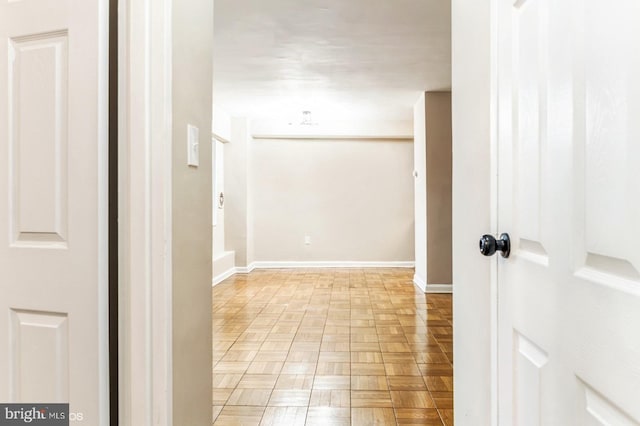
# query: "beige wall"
432,163
438,150
192,71
353,198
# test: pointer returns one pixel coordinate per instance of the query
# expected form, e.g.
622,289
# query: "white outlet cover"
193,145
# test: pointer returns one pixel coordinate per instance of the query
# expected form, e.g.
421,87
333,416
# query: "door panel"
569,196
38,99
40,357
610,141
529,130
53,205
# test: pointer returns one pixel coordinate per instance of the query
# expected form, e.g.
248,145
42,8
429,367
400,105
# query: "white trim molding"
223,276
432,288
245,269
420,282
331,264
145,231
439,288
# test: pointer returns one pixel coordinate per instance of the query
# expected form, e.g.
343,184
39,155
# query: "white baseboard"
331,264
420,283
431,288
245,269
439,288
223,276
230,272
290,265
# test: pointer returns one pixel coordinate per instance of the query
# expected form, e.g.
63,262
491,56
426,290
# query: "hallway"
331,347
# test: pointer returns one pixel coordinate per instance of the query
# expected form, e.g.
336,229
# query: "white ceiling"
364,59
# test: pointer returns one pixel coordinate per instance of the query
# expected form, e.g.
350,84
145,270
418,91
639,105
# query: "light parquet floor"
331,347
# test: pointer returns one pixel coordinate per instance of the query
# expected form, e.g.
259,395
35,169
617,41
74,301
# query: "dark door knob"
489,245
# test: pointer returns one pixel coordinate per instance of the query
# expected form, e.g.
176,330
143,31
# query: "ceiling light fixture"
306,119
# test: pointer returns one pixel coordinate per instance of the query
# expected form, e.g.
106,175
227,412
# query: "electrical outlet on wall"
307,240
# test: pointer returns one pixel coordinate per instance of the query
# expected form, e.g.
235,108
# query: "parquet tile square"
249,397
410,383
220,396
265,356
439,383
299,368
328,416
295,381
334,357
439,369
246,346
334,368
393,338
367,369
265,367
442,399
418,416
228,381
230,367
370,399
289,398
239,356
306,346
369,383
335,346
237,415
326,347
279,416
258,381
394,357
412,399
332,382
303,357
366,357
330,398
372,416
365,347
394,347
275,345
402,369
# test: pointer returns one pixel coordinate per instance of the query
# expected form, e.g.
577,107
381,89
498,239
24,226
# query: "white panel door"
53,220
569,196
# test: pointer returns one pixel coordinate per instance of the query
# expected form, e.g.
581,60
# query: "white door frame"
145,211
474,106
144,150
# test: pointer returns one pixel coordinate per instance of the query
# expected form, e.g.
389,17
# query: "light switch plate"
193,146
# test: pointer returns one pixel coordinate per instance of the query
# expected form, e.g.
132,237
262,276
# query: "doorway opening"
320,178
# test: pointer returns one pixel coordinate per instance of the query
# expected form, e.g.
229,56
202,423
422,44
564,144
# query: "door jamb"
144,180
